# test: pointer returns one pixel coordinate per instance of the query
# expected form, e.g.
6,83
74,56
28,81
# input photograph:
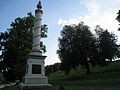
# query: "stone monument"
35,72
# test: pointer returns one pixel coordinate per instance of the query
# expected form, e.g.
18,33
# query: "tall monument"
35,72
37,28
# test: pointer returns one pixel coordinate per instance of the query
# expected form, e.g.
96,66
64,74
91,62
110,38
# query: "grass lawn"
101,78
109,84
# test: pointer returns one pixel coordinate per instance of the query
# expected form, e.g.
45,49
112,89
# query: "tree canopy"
107,43
75,46
79,47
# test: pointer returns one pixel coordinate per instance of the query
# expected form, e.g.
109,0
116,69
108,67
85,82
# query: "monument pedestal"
35,73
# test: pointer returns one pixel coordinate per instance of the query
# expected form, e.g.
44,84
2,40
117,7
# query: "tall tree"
76,47
16,44
107,45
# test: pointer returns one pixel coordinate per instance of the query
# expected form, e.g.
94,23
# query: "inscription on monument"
36,69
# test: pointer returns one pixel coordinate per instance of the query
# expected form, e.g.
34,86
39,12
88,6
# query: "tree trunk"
87,68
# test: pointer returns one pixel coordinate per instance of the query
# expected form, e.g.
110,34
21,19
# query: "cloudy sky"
58,13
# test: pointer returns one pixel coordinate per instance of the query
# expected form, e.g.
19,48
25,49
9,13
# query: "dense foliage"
107,46
118,18
49,69
15,45
79,47
75,47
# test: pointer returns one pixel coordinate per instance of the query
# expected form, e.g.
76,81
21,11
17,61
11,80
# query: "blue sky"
58,13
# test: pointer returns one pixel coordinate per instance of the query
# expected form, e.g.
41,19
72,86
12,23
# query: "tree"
76,47
107,45
2,80
52,68
118,18
16,44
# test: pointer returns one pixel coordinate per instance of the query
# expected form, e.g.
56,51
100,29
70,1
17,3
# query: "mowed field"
101,78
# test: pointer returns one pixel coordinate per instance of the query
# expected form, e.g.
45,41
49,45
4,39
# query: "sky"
57,13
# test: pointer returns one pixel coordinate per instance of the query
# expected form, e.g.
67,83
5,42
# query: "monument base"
35,86
35,83
35,78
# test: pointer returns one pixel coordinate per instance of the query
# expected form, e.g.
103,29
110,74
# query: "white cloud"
93,7
96,16
68,22
106,20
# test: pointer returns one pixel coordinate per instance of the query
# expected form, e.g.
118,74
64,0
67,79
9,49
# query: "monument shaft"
37,30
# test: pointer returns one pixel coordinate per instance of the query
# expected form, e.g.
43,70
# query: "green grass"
11,88
108,72
110,84
101,78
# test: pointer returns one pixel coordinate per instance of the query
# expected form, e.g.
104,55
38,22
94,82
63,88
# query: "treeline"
49,69
78,46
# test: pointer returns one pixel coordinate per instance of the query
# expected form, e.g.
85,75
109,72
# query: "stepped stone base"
35,86
35,80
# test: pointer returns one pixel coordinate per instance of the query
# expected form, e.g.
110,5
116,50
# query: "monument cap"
39,6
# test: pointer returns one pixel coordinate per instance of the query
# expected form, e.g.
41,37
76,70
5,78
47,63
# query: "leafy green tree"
52,68
76,47
15,45
108,48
